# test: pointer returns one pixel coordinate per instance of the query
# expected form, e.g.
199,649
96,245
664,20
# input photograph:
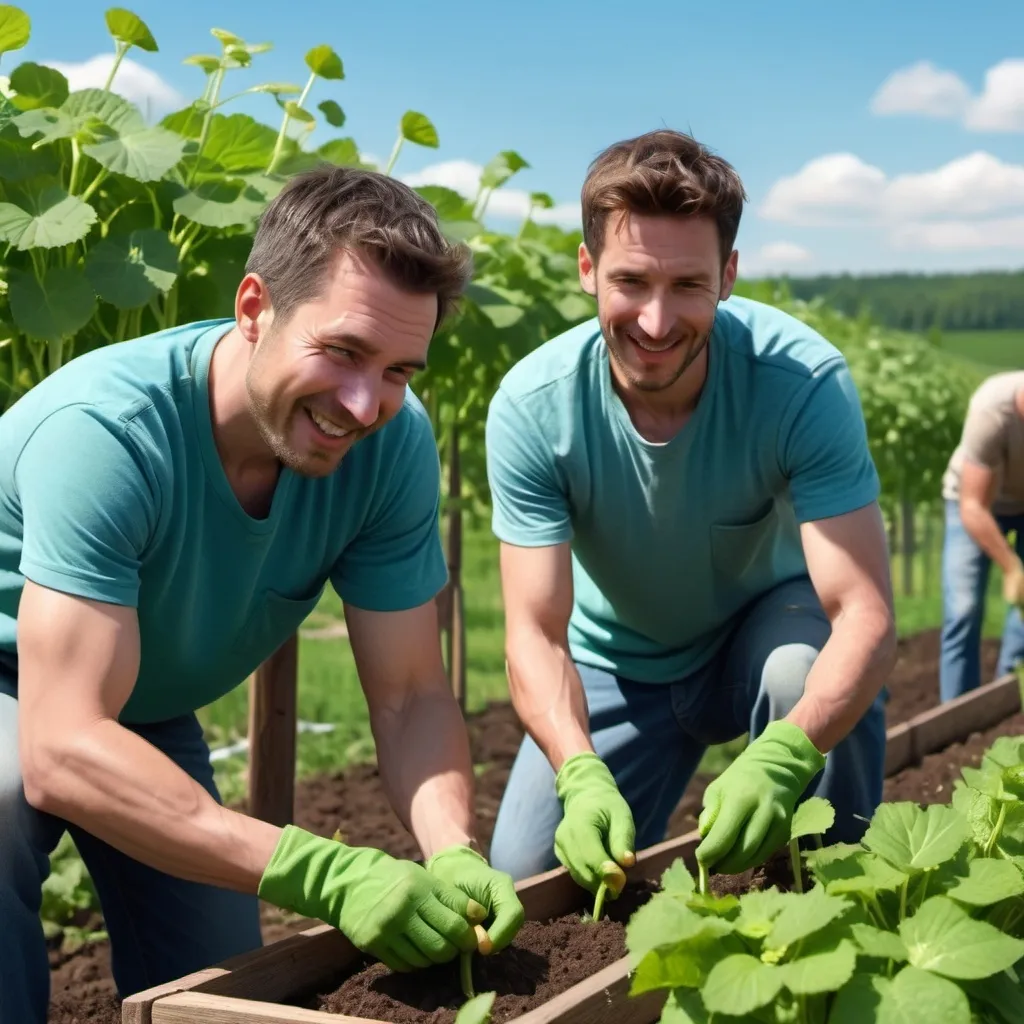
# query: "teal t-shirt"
671,541
111,488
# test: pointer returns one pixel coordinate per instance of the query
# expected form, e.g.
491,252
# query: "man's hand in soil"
465,869
595,837
392,909
748,809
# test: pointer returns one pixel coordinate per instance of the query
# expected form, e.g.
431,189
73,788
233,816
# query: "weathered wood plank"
192,1007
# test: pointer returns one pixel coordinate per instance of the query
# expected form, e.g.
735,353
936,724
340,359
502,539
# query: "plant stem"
903,898
794,858
122,49
76,157
702,878
602,889
466,974
95,184
215,86
395,150
997,831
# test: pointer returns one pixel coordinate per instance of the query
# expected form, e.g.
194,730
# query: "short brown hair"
330,208
661,173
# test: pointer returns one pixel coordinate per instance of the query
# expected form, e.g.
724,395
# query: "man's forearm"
126,792
846,677
547,694
426,769
984,530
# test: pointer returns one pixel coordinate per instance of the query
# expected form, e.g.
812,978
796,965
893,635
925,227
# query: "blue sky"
869,135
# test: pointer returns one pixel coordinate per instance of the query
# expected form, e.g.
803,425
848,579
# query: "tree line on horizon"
980,301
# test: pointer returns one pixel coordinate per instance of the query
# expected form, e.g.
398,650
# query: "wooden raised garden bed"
561,968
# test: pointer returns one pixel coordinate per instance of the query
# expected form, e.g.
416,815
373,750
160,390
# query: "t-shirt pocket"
741,550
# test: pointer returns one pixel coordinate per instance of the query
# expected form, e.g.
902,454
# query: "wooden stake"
272,723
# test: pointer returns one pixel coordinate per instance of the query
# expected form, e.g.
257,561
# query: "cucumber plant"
923,919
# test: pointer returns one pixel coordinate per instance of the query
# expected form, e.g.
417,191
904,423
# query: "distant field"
1003,349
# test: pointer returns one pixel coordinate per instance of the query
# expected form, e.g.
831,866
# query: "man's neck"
250,467
659,416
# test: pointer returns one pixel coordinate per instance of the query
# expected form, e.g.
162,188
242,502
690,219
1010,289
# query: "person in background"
691,547
983,493
171,509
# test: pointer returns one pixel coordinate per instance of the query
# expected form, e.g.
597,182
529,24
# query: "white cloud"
831,185
929,91
505,203
958,235
972,202
922,89
1000,108
146,89
840,189
783,253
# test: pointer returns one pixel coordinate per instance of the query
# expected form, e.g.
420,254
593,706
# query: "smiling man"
691,547
171,509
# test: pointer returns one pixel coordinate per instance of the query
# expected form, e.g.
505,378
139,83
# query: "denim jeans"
652,737
965,572
160,927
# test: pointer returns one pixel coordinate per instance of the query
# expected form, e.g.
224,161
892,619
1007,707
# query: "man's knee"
784,676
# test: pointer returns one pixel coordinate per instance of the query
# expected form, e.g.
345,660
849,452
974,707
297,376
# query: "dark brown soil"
353,800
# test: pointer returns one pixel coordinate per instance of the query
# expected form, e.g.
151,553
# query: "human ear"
253,312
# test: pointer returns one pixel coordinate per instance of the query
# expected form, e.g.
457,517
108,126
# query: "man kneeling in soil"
691,547
172,508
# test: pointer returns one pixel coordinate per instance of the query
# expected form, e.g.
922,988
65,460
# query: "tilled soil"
353,800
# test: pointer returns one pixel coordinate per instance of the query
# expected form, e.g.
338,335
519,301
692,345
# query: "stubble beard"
652,384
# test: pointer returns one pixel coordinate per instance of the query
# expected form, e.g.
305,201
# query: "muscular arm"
77,664
422,745
848,563
977,490
545,688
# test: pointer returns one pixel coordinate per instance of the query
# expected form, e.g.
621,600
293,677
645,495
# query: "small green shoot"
812,818
613,881
483,946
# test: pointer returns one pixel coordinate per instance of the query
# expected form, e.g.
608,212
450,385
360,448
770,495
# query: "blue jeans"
160,927
965,572
652,737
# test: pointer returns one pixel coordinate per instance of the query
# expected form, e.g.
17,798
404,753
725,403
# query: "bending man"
172,509
691,547
983,490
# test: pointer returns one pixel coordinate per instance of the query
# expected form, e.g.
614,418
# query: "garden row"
354,801
927,907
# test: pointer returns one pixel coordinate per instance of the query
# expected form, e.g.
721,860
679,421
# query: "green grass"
994,349
329,689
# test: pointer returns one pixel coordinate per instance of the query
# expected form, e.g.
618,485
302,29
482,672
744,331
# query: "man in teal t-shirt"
171,508
691,547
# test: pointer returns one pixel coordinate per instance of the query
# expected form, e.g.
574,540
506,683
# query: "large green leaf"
15,28
238,143
45,219
19,161
988,882
343,152
419,129
38,86
915,996
91,105
58,307
501,167
944,939
915,839
221,205
740,983
130,29
128,270
323,61
187,122
46,125
145,155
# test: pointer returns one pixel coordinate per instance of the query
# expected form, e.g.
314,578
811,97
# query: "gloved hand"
465,869
1013,585
748,809
392,909
595,837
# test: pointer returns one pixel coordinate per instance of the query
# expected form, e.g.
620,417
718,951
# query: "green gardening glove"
392,909
465,869
595,837
748,809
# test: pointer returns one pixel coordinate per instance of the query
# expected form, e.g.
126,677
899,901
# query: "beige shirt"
993,436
